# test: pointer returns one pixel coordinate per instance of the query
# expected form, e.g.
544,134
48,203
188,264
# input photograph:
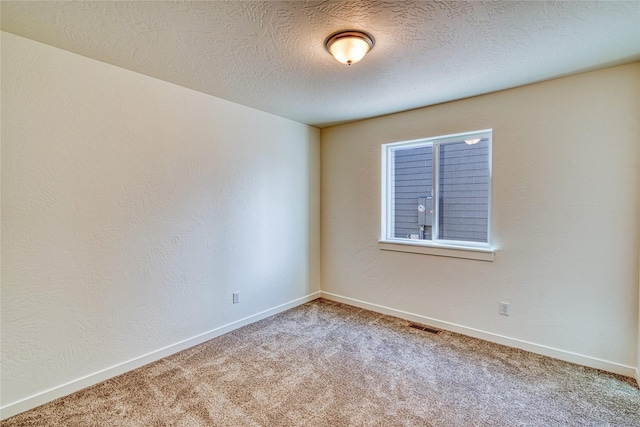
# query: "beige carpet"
328,364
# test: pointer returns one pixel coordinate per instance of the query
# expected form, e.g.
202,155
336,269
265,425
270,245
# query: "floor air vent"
424,328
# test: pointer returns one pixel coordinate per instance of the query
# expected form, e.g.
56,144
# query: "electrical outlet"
236,297
504,308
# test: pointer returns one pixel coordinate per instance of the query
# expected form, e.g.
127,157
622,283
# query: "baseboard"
638,376
627,371
53,393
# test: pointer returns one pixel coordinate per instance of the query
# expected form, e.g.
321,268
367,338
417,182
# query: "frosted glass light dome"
349,47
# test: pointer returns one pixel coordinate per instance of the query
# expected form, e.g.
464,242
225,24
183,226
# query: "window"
436,192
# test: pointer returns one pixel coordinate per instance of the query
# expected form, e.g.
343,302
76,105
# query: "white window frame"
450,248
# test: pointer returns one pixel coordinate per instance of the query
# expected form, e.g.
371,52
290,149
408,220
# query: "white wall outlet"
504,308
236,297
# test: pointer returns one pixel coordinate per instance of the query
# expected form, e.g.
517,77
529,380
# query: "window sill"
480,254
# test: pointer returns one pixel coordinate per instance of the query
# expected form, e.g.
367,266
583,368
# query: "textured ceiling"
270,55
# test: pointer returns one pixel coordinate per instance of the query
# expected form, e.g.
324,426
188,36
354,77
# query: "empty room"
320,213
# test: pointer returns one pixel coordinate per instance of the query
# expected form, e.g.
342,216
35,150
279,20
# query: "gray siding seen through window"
463,190
412,178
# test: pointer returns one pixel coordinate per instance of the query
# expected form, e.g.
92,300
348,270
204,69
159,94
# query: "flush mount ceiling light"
350,46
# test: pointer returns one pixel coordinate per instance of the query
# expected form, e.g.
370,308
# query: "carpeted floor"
328,364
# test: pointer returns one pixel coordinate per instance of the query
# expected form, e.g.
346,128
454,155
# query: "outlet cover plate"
504,308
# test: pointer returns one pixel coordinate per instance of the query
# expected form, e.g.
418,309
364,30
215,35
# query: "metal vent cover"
425,328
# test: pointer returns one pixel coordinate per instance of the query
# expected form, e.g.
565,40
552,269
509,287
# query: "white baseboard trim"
627,371
62,390
638,376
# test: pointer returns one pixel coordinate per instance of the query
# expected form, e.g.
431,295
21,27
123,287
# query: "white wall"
131,210
565,220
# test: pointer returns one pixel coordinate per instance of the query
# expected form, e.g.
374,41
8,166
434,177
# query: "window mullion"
435,193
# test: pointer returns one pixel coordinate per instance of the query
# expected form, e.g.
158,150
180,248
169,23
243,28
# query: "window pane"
464,191
411,178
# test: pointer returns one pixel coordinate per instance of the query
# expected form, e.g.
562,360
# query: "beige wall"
565,220
131,210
